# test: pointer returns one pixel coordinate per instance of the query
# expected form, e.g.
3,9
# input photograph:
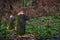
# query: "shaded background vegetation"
31,7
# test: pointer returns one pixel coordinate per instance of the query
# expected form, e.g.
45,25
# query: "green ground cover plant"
39,26
43,26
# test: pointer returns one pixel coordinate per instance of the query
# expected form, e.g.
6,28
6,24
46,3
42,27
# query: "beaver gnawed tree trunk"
21,22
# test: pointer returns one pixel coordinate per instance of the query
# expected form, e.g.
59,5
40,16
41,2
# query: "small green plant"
3,28
25,3
4,31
